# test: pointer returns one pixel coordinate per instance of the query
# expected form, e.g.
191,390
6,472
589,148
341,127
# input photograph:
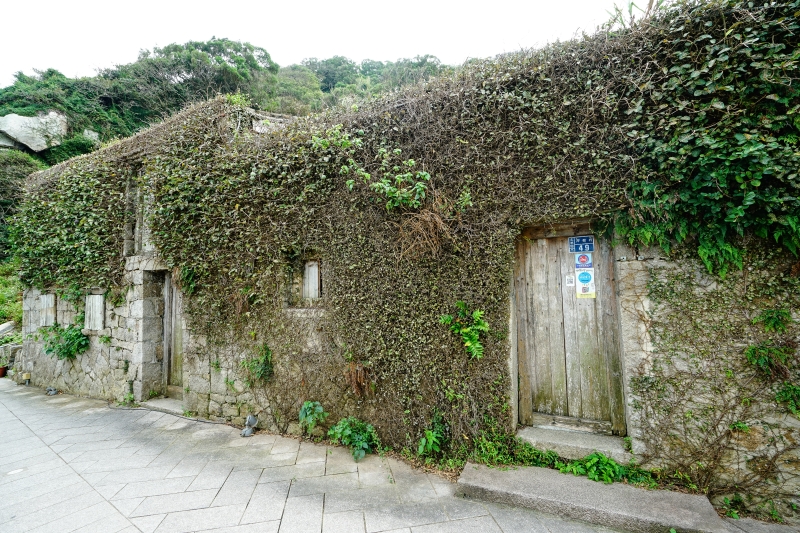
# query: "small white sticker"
570,280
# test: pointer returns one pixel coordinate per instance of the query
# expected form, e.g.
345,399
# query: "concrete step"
573,444
616,505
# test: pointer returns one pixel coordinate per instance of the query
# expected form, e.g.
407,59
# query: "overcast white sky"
80,36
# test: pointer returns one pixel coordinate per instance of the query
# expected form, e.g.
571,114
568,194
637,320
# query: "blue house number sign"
581,244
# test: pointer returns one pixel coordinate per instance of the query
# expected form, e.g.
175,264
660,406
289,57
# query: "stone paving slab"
78,465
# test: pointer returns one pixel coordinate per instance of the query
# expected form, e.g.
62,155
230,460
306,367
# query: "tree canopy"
123,99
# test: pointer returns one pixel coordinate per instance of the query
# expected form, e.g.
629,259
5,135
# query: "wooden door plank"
594,374
523,357
540,333
609,335
568,422
558,360
571,348
176,361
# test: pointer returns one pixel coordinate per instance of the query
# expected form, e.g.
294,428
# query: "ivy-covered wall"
682,129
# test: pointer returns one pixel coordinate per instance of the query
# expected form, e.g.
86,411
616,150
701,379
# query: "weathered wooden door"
567,346
173,338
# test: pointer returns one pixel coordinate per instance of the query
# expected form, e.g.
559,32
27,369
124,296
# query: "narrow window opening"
312,281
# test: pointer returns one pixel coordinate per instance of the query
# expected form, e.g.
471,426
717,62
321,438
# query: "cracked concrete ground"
73,464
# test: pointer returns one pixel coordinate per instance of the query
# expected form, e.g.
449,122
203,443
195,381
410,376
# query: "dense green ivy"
70,230
715,115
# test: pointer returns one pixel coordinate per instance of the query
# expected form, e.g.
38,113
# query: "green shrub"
11,338
64,343
359,436
769,358
774,320
311,414
15,166
72,147
10,293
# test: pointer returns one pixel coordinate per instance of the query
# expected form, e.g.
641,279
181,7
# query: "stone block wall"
98,373
124,356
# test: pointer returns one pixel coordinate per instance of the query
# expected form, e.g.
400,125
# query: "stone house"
591,340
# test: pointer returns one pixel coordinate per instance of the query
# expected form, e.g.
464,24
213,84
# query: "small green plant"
64,343
740,426
627,443
260,367
399,184
188,280
216,365
469,325
128,400
732,507
430,444
790,395
449,393
105,339
359,436
189,414
495,447
11,338
406,189
230,384
4,360
311,413
769,358
238,99
432,441
596,467
774,320
186,389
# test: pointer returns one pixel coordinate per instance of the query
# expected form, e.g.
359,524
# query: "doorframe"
572,228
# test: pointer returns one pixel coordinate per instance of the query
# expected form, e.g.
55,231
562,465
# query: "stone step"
166,405
617,505
175,391
572,444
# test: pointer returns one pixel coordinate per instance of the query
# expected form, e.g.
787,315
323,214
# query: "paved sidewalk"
72,464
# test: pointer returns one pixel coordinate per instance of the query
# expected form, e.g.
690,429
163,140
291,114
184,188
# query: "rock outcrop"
37,133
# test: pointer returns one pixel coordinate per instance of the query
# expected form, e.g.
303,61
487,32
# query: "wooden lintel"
560,229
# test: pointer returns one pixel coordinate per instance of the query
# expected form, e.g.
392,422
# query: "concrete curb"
618,505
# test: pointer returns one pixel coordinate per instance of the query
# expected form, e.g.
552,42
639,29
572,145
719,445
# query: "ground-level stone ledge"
617,505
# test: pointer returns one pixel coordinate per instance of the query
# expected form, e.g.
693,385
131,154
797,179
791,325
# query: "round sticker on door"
584,277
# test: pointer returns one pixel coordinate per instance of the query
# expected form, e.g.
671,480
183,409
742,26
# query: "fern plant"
469,326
